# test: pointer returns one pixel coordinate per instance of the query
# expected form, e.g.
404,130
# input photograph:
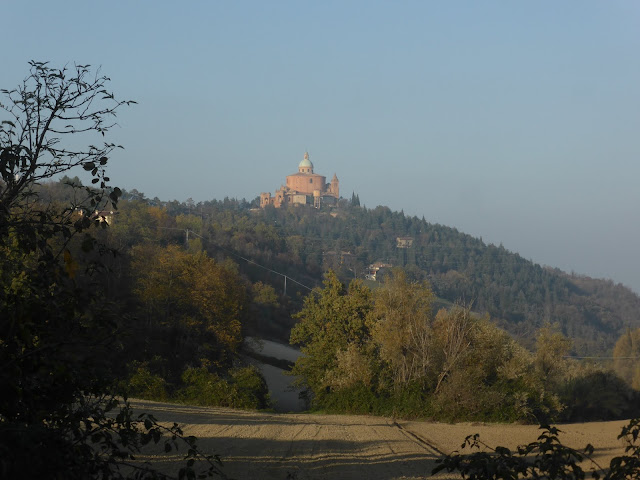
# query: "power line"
248,260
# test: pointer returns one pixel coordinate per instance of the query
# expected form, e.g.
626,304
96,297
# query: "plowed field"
255,445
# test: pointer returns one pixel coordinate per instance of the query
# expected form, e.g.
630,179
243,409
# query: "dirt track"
256,445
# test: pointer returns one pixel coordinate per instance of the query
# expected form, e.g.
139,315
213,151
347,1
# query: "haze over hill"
516,122
303,243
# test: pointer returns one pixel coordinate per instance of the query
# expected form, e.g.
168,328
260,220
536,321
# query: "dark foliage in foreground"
545,458
58,331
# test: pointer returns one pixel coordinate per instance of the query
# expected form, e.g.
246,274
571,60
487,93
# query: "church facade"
304,188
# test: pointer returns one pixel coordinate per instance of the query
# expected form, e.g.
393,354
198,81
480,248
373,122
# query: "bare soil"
257,445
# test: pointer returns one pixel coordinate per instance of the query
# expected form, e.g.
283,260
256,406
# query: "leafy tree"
626,355
332,320
402,318
551,347
266,312
57,331
385,352
597,394
454,336
194,302
50,105
484,374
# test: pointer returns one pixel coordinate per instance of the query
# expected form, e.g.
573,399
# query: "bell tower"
335,186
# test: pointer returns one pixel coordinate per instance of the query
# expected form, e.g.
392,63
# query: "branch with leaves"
48,107
544,458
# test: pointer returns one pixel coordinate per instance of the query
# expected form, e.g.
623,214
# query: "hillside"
518,294
303,243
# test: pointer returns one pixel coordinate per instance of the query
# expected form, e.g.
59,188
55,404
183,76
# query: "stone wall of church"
306,183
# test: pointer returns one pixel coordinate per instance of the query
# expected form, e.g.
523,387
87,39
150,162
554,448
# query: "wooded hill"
303,243
190,281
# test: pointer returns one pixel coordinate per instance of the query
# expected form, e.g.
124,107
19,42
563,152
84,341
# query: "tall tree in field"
626,355
551,347
332,320
402,318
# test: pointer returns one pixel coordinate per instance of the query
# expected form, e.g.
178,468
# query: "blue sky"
517,122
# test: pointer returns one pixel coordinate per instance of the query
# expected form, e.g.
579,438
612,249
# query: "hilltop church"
304,188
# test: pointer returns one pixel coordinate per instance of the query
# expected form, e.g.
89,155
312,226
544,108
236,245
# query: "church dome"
305,163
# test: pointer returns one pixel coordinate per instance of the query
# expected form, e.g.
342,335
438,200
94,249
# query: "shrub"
144,384
202,387
355,399
598,395
250,388
245,388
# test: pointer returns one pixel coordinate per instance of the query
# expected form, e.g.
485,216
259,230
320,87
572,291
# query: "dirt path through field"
255,445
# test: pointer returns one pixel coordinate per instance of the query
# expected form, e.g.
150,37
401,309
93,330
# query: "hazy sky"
517,122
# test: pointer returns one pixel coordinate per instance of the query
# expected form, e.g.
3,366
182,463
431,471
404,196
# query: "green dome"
305,162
